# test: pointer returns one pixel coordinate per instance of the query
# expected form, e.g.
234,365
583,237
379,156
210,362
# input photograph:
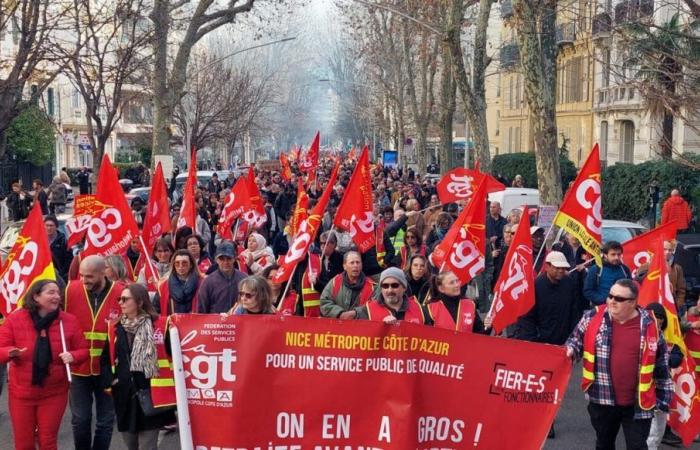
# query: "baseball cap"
534,229
225,249
557,259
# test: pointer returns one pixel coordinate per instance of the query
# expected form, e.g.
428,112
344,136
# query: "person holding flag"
31,340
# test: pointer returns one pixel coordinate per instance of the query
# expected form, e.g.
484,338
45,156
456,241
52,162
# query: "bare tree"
196,20
110,68
35,26
536,36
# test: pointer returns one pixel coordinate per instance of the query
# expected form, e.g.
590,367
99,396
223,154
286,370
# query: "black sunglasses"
390,285
617,298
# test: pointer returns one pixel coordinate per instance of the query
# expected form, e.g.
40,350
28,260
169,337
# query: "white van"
515,198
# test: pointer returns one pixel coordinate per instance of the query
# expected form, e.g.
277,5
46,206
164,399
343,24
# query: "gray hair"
330,236
116,263
350,253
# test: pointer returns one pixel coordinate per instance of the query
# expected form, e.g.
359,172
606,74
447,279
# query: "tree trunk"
538,57
474,93
448,93
666,140
162,106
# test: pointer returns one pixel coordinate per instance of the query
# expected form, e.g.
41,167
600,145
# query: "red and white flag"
76,226
355,212
237,202
188,209
28,261
580,214
514,292
464,246
460,184
157,221
684,411
637,251
112,227
257,216
306,235
309,161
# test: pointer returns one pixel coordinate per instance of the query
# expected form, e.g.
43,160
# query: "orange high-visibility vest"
310,297
442,318
94,324
647,387
692,342
414,312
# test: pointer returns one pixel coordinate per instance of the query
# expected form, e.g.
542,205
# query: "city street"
573,429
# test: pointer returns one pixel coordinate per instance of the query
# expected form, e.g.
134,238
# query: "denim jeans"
82,391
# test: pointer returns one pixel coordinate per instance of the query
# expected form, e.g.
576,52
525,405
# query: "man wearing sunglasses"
624,385
392,304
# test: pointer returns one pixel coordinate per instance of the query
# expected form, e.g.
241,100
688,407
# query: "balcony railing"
566,33
510,56
632,10
616,96
602,25
506,9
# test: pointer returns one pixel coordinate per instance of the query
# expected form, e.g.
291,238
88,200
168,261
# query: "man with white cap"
551,320
392,304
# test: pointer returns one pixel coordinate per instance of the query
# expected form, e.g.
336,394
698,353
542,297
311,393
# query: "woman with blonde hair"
254,297
115,270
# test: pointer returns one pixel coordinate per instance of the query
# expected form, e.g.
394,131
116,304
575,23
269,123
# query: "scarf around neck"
42,348
143,349
183,291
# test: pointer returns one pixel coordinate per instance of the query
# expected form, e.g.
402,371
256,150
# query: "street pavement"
573,429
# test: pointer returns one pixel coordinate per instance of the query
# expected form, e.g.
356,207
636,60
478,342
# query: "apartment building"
595,101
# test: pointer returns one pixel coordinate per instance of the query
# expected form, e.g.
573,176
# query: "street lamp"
374,119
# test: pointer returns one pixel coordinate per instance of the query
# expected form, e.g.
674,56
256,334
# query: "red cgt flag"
463,248
301,212
514,292
656,288
309,162
188,210
77,226
355,210
637,251
286,172
237,202
257,216
112,226
580,214
306,235
684,411
460,183
28,261
157,221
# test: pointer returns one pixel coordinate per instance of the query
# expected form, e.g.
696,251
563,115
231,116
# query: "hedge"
511,164
625,186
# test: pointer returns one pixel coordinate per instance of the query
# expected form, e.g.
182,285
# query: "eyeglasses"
617,298
247,295
390,285
124,299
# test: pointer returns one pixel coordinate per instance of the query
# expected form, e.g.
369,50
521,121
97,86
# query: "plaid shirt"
601,391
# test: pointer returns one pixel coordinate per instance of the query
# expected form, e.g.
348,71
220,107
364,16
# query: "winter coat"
18,207
18,332
599,281
57,193
127,407
61,255
676,208
218,293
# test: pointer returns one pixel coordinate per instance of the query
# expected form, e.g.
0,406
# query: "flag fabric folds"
188,209
460,184
157,221
355,212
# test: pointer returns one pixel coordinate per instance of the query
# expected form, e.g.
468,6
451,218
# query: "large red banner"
294,383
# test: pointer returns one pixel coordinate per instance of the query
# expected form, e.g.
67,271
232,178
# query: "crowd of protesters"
394,281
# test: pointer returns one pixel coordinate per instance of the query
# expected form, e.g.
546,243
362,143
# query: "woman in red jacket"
30,339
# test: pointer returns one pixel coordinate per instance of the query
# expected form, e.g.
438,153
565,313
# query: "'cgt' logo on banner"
99,232
466,254
461,186
516,283
14,281
365,225
207,371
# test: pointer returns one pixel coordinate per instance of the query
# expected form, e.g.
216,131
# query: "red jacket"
676,208
18,332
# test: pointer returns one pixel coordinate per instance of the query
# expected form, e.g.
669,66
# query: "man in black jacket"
60,253
549,321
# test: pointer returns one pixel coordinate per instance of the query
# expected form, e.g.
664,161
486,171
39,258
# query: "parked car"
621,231
142,192
11,231
203,177
514,198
